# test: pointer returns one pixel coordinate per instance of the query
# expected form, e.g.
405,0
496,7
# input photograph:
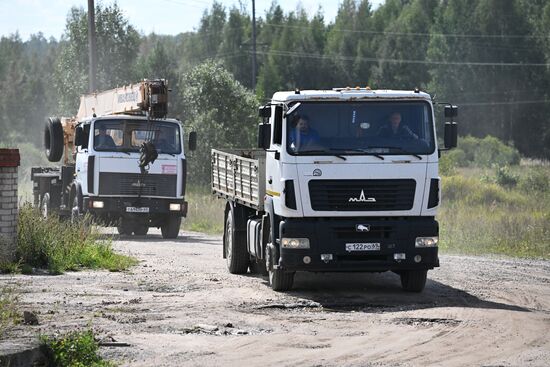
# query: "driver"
394,128
102,140
302,134
163,143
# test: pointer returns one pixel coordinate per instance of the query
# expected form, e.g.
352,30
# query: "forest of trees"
491,57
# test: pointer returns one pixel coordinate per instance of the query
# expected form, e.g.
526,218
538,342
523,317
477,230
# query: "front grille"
134,184
351,233
362,195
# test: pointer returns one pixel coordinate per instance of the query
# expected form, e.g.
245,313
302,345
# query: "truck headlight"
98,204
175,207
426,241
295,243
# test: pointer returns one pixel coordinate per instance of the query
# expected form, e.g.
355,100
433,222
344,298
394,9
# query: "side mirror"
192,140
79,136
451,135
264,136
451,111
264,111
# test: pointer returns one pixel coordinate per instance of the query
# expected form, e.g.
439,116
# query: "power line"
503,103
415,34
397,61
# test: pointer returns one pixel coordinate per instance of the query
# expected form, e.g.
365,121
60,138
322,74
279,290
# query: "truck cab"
110,181
123,161
351,184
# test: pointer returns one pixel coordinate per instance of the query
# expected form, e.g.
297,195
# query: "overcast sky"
159,16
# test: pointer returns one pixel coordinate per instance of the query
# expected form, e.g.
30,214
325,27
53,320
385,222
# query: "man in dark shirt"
302,135
394,129
102,140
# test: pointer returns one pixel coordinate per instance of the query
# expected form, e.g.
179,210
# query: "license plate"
369,246
131,209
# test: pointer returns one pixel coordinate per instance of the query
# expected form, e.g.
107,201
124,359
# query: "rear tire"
53,139
171,229
413,280
236,253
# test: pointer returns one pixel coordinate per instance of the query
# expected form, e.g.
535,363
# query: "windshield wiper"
404,151
323,151
396,148
366,151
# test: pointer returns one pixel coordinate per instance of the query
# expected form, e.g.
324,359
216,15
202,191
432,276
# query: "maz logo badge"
362,199
362,227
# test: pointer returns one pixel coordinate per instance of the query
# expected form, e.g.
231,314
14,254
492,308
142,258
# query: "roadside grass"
499,210
205,213
60,245
496,211
8,309
74,349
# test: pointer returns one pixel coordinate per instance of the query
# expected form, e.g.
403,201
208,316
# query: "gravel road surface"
181,307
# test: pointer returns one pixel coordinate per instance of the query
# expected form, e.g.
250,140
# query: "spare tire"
53,139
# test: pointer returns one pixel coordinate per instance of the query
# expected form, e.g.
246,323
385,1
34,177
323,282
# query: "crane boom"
146,97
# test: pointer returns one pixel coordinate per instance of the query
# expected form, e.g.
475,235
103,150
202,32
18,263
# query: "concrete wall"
9,162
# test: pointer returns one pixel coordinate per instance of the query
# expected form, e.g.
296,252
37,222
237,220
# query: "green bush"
220,110
505,177
484,152
536,179
480,217
59,245
8,309
458,189
74,349
447,165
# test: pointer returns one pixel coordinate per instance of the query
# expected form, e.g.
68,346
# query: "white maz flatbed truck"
352,191
124,161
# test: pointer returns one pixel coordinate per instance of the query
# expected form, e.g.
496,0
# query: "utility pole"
92,55
254,64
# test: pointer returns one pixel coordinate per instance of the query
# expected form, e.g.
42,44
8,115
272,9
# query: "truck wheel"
142,230
279,279
236,253
53,139
171,228
45,206
76,211
413,280
124,227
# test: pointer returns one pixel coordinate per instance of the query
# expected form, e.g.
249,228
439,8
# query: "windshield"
128,135
325,128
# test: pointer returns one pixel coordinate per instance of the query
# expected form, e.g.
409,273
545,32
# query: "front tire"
279,280
413,280
142,230
45,206
76,212
124,227
171,229
236,253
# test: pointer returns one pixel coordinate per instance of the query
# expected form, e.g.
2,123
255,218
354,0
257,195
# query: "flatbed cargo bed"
239,175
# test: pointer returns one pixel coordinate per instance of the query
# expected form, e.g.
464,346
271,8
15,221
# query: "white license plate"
370,246
131,209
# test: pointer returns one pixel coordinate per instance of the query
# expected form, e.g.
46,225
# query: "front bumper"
330,235
119,206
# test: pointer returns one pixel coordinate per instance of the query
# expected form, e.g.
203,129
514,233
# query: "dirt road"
180,306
